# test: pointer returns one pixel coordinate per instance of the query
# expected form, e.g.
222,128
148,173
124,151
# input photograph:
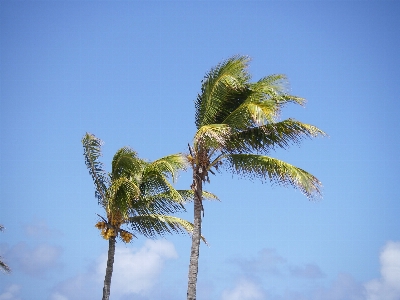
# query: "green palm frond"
220,89
122,194
157,193
264,101
274,170
214,136
154,182
92,152
153,225
170,165
126,163
275,87
168,202
188,195
264,138
253,112
275,82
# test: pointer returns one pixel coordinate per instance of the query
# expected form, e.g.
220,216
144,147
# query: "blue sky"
129,72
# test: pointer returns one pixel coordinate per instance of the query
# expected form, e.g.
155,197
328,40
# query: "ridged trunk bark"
194,253
109,268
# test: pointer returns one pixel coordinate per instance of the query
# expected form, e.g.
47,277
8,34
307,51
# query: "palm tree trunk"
194,253
109,269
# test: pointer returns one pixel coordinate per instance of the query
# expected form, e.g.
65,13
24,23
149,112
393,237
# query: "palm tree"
137,194
3,265
237,125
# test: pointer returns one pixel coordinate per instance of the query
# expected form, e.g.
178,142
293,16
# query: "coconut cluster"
126,236
107,232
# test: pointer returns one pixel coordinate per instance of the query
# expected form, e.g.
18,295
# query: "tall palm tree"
3,265
237,125
137,194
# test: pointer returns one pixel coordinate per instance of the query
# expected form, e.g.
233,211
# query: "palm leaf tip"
153,225
4,267
220,87
170,165
188,195
276,171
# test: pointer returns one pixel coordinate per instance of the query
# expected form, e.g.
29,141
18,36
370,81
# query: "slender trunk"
194,253
109,269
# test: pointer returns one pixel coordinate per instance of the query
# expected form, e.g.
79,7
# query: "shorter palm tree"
136,194
3,265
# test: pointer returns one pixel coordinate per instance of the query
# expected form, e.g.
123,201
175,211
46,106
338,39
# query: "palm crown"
136,192
237,122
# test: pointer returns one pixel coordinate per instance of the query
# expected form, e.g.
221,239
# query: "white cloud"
135,272
244,290
11,293
35,261
388,286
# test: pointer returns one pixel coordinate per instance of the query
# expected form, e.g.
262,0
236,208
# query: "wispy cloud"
267,261
135,273
40,230
343,287
35,261
310,271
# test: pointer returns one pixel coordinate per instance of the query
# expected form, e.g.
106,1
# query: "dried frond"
92,152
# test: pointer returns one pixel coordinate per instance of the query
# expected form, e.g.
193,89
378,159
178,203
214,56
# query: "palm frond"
159,225
264,138
188,195
153,182
170,165
274,170
219,90
253,112
212,136
126,163
275,87
168,202
122,194
4,266
264,101
92,152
